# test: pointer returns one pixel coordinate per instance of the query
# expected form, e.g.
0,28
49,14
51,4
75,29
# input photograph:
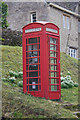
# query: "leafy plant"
12,79
75,84
66,82
12,73
63,85
20,74
20,83
3,14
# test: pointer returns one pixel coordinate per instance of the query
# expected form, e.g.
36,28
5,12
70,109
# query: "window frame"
72,52
66,21
32,19
78,26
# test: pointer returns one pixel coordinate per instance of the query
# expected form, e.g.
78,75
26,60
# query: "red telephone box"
41,60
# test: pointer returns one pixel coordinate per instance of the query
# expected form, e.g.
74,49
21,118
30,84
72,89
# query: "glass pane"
33,74
33,87
53,67
26,67
52,74
53,61
53,87
33,60
32,47
33,67
29,47
53,47
53,40
26,41
32,40
33,54
27,87
68,22
26,54
33,80
52,81
55,81
52,54
27,81
27,74
55,74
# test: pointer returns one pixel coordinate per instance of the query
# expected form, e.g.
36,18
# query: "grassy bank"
19,105
12,60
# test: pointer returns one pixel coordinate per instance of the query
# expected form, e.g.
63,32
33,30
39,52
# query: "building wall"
19,15
70,36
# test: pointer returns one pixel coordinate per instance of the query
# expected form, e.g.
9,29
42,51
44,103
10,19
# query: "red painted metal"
41,60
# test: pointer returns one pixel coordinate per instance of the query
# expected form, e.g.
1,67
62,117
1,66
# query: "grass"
19,105
11,59
69,64
70,95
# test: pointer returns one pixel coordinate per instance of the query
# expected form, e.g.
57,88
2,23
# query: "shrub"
20,83
11,73
66,82
68,77
12,79
75,84
14,74
68,73
62,79
63,85
70,84
20,74
3,13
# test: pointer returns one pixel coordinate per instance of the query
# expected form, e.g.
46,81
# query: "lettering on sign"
33,30
51,30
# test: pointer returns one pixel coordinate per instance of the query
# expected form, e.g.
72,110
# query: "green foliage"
66,82
3,14
2,39
15,77
75,84
68,73
20,74
63,85
12,73
20,83
25,106
12,79
16,74
70,64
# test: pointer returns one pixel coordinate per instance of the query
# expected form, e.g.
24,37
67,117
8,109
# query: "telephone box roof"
40,22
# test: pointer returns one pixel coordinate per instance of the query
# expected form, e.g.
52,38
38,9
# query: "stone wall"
19,13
